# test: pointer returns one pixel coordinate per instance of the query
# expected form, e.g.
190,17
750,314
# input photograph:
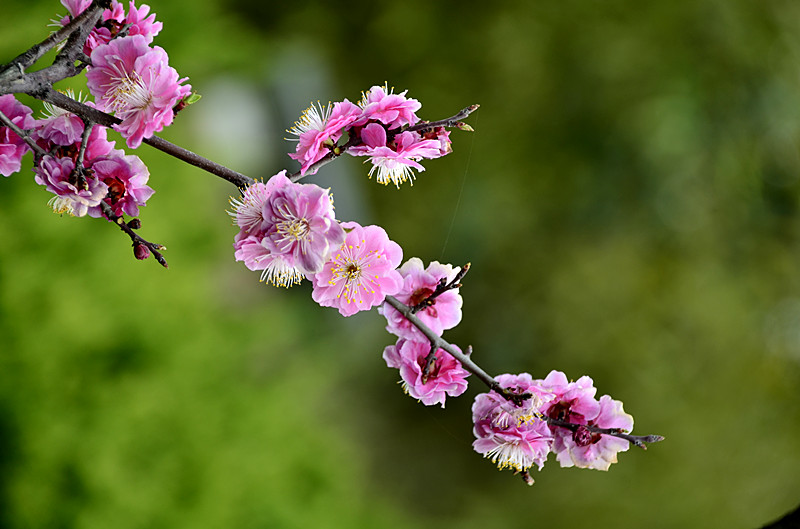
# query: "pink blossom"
112,21
585,449
446,376
511,435
12,147
126,178
278,270
418,284
141,23
393,110
76,7
248,211
572,402
441,135
59,126
395,159
361,273
54,173
319,129
136,83
301,224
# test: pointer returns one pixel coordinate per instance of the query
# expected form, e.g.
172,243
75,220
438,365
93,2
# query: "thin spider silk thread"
463,184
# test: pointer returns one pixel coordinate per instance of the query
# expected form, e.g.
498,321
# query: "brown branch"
141,248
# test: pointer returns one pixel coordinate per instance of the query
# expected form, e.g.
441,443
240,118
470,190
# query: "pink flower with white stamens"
12,147
419,283
278,270
248,211
136,83
361,273
318,130
55,173
511,435
394,160
445,378
301,224
59,126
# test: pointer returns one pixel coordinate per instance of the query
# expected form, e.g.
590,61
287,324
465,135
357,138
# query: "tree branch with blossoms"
287,230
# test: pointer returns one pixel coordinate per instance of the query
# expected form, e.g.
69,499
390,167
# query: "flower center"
129,92
297,229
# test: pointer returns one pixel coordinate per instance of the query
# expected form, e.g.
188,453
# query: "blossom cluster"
126,76
375,128
520,435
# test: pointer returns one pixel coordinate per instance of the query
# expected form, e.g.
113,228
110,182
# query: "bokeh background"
629,203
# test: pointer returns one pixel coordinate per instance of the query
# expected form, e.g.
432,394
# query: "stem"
453,121
441,288
135,238
638,440
107,120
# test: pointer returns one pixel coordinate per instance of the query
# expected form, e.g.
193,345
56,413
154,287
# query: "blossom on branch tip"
12,147
135,82
361,273
318,130
443,312
394,159
586,449
446,376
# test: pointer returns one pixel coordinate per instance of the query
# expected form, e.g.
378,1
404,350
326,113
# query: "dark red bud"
582,436
140,251
134,224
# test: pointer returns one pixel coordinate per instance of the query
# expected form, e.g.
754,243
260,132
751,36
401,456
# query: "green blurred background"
629,202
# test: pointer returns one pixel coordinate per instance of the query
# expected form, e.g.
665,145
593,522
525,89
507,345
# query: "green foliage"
629,204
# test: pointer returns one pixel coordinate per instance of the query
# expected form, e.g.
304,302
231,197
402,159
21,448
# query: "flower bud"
140,251
135,224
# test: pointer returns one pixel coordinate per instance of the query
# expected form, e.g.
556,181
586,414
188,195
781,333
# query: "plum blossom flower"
126,179
418,284
446,376
54,173
318,130
586,449
394,160
393,110
114,20
278,270
136,83
302,225
12,147
361,273
572,402
511,435
59,126
248,211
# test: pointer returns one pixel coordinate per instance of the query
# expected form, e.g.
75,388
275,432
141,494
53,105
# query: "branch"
87,19
638,440
441,288
141,247
437,342
454,121
86,112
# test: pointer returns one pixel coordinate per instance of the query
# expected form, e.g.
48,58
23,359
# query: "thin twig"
453,121
638,440
153,248
441,288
